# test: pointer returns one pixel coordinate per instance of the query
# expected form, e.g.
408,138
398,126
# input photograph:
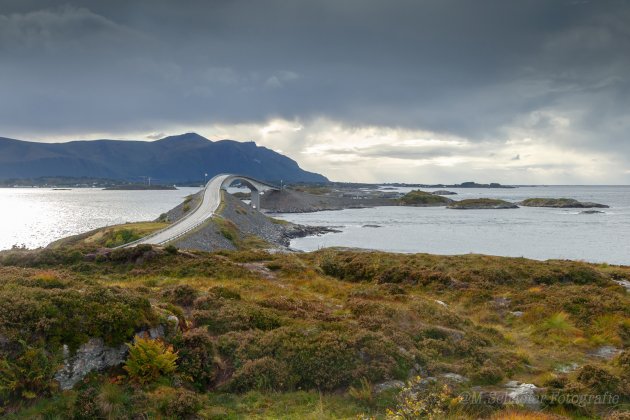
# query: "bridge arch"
255,186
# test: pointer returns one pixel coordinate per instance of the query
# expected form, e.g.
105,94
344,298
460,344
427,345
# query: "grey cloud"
473,69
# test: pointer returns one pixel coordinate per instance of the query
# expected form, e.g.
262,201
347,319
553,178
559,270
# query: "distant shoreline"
140,188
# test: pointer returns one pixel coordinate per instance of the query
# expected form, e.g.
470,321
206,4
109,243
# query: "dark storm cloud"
470,68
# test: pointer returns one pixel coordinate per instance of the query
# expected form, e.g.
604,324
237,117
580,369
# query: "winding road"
210,202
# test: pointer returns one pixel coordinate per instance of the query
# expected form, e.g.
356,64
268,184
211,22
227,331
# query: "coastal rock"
96,356
591,212
386,386
562,203
481,204
623,283
371,226
606,352
571,367
91,356
501,302
443,192
152,333
523,394
454,377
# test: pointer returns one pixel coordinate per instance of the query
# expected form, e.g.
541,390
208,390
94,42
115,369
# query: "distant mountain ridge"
179,158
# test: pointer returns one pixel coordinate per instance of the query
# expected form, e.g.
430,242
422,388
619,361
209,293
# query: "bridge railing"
196,225
157,232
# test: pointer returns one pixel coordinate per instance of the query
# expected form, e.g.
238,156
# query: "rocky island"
140,187
444,192
481,203
418,198
563,203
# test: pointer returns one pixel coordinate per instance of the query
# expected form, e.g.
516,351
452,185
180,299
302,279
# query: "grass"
312,189
548,202
423,198
111,236
481,203
310,337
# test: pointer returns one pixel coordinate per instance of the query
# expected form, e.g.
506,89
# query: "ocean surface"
35,217
538,233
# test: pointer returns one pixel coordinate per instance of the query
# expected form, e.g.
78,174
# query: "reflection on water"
35,217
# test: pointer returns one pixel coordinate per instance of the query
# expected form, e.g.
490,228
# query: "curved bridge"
209,204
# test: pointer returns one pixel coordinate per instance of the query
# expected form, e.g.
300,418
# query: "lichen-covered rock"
91,356
606,352
523,394
386,386
454,377
96,356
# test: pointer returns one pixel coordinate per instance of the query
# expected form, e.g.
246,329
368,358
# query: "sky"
427,91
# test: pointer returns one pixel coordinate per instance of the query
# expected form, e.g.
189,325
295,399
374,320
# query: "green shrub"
225,317
182,294
177,403
418,400
171,249
86,405
317,359
265,374
114,401
26,374
71,315
244,317
196,358
121,237
488,375
137,254
597,379
149,360
623,361
225,293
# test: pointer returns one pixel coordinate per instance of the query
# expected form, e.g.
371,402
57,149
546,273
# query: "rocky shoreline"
561,203
238,224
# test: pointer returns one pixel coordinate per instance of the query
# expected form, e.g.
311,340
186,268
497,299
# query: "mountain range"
180,158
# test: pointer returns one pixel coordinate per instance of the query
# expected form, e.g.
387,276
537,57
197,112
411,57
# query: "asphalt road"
209,204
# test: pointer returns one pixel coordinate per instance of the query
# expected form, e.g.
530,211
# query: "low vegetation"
559,203
111,236
481,203
312,189
423,198
314,335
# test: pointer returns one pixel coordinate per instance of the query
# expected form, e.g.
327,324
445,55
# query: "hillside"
179,158
329,334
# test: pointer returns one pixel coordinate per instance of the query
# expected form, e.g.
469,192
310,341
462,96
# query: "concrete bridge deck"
210,202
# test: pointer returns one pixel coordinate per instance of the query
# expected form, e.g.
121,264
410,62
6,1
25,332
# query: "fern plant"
150,360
